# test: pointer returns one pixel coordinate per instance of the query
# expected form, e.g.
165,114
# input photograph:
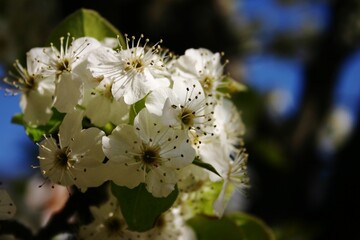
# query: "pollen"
150,154
187,117
207,83
62,159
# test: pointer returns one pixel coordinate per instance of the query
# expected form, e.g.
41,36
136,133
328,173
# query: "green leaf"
212,228
232,227
251,227
18,119
205,165
139,208
85,22
135,109
37,133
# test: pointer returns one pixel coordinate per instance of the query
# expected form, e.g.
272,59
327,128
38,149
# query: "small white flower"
77,158
7,206
229,127
201,65
183,107
69,68
135,70
101,107
234,173
108,223
36,89
149,153
170,225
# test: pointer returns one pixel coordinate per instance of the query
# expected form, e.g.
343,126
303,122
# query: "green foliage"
205,165
212,228
139,208
135,109
251,227
235,226
85,22
37,133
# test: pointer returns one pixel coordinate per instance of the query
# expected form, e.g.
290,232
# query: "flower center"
187,117
207,83
150,154
29,84
113,225
135,64
63,65
62,159
106,91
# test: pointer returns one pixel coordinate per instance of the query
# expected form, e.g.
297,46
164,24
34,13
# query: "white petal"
123,175
158,185
71,125
103,56
68,92
136,89
171,114
46,86
81,47
36,108
35,60
92,176
149,124
220,203
213,154
120,143
181,156
87,144
118,112
98,110
156,99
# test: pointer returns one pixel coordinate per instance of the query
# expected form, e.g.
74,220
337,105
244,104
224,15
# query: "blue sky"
276,18
347,90
17,150
268,72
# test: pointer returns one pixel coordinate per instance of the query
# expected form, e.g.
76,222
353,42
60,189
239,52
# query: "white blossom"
170,225
200,65
77,158
135,71
185,106
108,223
68,66
149,153
233,173
101,107
229,127
36,89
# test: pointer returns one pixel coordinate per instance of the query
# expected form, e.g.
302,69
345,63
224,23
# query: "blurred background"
301,62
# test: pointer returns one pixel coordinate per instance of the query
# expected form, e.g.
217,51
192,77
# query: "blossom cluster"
165,114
